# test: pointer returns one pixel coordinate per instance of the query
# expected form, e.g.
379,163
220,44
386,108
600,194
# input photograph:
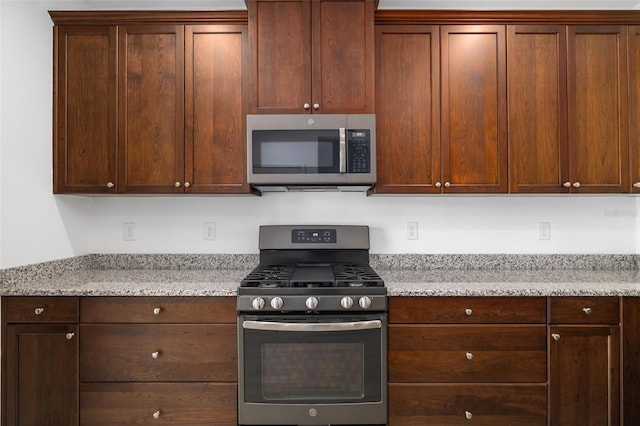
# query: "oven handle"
343,150
319,326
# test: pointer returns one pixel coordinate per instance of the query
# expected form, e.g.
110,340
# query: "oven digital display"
303,371
314,236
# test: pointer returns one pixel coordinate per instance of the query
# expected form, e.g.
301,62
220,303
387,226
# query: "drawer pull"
155,355
156,311
156,415
69,336
587,311
468,312
469,355
555,336
39,311
468,415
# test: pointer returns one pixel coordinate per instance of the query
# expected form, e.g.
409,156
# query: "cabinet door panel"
215,139
634,106
408,109
151,108
598,120
630,357
584,381
85,110
343,62
539,160
42,380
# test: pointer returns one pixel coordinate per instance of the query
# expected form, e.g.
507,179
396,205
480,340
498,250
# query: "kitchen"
41,227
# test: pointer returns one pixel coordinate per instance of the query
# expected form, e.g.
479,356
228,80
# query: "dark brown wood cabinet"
312,56
634,107
584,361
40,361
84,142
631,360
178,125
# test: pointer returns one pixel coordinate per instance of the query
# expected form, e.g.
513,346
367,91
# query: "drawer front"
158,352
30,309
103,404
467,310
158,310
490,405
584,310
467,354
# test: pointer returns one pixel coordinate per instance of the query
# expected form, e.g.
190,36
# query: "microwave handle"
343,150
298,326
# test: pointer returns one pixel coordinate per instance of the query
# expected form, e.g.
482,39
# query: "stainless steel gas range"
312,330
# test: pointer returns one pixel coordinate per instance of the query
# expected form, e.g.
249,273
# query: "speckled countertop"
399,282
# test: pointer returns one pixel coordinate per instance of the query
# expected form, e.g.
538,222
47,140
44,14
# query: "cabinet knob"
156,415
438,185
156,311
576,184
468,312
587,311
39,311
155,355
306,106
110,185
177,184
567,184
447,184
555,336
316,106
187,184
636,185
469,355
468,415
69,336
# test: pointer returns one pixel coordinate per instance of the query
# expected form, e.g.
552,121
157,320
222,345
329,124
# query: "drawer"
52,309
158,310
467,354
467,310
182,404
158,352
490,405
584,310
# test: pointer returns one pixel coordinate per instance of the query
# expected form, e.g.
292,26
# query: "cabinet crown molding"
600,17
86,17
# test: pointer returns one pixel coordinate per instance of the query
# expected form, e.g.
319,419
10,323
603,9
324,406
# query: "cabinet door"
280,39
215,115
537,70
408,109
85,110
42,375
343,56
630,358
474,110
151,108
598,120
584,380
634,106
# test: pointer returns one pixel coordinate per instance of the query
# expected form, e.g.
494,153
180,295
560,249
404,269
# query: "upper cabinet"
634,106
312,56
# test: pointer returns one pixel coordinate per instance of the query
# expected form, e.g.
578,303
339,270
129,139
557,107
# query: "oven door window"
296,151
312,367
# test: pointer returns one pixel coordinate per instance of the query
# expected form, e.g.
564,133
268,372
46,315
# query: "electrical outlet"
544,230
209,231
412,230
129,231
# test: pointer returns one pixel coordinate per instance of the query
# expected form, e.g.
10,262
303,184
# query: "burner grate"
356,275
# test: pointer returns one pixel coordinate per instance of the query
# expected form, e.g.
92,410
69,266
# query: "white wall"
36,226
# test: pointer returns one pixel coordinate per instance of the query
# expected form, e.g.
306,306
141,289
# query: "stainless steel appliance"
311,152
312,330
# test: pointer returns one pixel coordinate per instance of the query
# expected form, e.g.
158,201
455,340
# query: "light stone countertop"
399,282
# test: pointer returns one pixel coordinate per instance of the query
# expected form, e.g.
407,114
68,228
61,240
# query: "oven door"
295,370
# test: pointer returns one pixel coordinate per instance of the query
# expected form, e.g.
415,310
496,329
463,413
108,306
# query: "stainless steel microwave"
311,152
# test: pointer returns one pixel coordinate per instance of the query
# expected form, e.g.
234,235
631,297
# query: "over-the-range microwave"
316,152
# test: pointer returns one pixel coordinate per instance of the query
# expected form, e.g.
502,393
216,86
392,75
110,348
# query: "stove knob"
365,302
276,303
311,303
257,303
346,302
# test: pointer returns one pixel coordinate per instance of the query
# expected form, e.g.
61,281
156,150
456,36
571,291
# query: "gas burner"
356,275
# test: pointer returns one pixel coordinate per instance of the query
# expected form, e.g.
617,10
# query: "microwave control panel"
359,151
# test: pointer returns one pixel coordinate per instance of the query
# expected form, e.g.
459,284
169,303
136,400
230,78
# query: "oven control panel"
312,303
314,236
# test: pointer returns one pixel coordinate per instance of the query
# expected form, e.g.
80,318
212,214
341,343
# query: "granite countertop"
399,282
